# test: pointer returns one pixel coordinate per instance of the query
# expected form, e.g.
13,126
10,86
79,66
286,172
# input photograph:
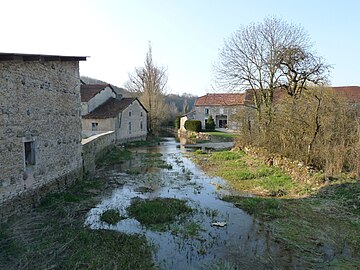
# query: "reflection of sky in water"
243,241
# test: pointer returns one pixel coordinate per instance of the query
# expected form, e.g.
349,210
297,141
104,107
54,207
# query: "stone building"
126,116
224,109
40,123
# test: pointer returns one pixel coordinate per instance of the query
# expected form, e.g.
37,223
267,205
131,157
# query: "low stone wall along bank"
94,148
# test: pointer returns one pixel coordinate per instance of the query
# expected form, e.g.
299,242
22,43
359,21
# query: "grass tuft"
157,211
115,156
111,216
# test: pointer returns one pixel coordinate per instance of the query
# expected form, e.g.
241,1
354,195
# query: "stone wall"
230,111
94,148
296,169
28,199
39,114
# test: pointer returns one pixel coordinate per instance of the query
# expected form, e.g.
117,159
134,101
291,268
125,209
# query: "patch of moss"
111,216
115,156
158,211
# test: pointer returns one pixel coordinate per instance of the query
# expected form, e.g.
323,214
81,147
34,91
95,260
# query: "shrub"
193,125
210,124
177,122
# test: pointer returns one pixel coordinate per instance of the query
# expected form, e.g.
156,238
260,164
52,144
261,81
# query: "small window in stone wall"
130,114
29,153
141,125
206,111
129,127
94,126
141,114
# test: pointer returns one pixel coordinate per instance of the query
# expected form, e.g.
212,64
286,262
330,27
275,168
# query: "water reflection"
195,243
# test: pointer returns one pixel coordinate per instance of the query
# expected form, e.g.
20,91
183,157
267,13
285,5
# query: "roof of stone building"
38,57
88,91
111,108
228,99
350,93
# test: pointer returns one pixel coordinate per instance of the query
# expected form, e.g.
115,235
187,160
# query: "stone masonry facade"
40,124
219,113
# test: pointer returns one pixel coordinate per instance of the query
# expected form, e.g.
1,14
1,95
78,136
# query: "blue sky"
186,35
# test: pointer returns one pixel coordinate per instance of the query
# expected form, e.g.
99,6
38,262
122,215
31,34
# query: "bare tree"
266,56
149,84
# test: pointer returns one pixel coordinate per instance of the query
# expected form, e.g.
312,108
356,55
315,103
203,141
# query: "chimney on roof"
118,96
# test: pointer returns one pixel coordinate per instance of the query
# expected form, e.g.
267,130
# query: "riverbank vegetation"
319,222
293,116
53,236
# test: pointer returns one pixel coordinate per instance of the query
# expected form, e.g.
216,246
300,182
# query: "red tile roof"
88,91
221,99
350,93
110,108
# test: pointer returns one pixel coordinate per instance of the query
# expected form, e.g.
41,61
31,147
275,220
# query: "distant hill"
184,103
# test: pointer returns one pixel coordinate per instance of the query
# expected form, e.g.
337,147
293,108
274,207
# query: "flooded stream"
194,243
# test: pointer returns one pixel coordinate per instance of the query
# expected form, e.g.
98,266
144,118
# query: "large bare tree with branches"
270,55
149,84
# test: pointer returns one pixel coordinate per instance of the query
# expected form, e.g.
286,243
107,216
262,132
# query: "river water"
243,243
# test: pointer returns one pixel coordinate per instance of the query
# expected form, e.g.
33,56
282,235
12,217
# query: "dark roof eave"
89,116
39,57
217,105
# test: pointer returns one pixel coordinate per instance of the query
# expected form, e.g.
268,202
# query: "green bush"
177,122
193,125
210,124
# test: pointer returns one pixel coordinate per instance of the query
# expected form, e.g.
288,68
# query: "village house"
40,123
127,117
224,109
93,95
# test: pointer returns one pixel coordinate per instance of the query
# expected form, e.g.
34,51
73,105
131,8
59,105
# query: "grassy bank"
53,236
222,135
248,174
321,225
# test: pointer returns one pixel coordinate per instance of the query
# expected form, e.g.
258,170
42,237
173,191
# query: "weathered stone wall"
40,103
296,169
31,198
94,148
230,111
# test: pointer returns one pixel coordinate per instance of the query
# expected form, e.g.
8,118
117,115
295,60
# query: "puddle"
194,243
